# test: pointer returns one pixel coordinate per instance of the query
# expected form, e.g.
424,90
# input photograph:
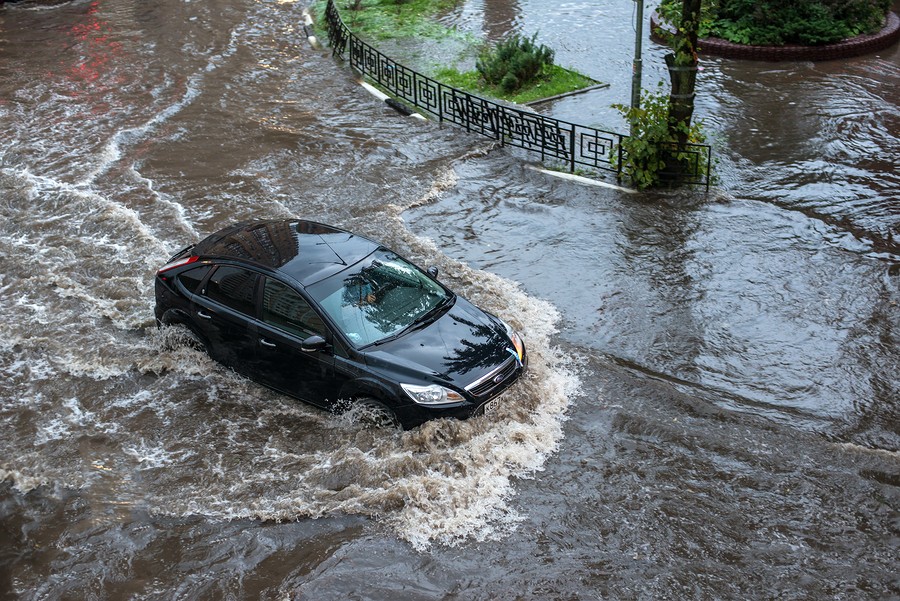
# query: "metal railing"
574,147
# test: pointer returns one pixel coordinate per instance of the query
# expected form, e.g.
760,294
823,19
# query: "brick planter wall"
863,44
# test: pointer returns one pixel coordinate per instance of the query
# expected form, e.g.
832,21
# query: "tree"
663,146
682,64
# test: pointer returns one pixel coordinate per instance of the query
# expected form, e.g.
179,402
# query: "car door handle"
265,342
203,315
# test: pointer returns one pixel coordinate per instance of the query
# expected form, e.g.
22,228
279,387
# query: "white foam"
152,456
21,481
856,448
176,208
97,228
54,429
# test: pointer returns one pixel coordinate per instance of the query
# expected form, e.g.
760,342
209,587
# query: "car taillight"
177,263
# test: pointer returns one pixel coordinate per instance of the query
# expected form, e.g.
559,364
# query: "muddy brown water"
712,410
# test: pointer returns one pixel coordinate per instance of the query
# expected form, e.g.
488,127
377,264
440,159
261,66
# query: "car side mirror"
433,271
313,344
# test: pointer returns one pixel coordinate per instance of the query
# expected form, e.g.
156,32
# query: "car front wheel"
372,413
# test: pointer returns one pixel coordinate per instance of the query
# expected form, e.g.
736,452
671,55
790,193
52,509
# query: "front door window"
285,309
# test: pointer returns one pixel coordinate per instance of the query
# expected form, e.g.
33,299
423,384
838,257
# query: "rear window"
233,287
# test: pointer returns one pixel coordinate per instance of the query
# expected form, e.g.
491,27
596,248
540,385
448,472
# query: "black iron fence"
569,145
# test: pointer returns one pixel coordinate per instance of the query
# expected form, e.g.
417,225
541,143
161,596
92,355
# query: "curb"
863,44
391,102
307,30
580,179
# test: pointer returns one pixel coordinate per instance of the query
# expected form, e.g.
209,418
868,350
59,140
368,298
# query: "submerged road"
712,408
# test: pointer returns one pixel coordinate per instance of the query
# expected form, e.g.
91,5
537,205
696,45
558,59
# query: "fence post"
543,129
352,51
619,162
572,149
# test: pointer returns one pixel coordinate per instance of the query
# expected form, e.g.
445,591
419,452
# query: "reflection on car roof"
304,250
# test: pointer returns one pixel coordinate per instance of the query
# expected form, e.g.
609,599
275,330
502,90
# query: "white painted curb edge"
384,97
307,23
374,91
580,179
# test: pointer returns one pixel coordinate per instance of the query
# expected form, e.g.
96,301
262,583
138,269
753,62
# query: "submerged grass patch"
391,19
411,20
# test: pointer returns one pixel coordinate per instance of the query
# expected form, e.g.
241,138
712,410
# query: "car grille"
496,379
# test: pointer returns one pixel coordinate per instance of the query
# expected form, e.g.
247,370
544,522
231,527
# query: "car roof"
304,250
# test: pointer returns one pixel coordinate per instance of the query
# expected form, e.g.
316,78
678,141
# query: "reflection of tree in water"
872,347
661,257
471,355
500,18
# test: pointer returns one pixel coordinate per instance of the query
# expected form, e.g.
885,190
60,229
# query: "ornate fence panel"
569,144
696,160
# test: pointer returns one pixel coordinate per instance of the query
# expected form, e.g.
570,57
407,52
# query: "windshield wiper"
434,313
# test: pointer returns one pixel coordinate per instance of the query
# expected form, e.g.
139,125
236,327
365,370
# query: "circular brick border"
862,44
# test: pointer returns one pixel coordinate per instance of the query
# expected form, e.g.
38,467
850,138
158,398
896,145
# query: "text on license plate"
492,406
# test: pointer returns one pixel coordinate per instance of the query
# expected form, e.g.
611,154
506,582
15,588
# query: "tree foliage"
652,149
777,22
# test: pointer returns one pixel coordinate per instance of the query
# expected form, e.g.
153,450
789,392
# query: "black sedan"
338,320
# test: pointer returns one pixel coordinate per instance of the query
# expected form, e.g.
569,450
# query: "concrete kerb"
307,29
391,102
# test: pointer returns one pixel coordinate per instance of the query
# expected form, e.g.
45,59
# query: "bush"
514,62
776,22
650,148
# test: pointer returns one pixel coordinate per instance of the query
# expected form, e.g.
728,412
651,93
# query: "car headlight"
432,395
516,340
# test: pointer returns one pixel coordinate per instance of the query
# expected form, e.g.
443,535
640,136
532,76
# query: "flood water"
713,405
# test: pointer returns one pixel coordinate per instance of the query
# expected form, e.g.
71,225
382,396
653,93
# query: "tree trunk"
682,65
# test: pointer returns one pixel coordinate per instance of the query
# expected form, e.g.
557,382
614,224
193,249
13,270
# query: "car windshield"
379,298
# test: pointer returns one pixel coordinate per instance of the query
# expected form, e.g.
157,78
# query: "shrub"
514,62
649,150
776,22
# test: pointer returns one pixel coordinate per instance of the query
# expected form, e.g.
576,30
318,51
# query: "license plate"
492,406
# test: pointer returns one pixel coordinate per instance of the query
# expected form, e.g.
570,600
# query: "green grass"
554,81
415,20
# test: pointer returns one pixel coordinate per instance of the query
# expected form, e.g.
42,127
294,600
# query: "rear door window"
285,309
233,287
191,278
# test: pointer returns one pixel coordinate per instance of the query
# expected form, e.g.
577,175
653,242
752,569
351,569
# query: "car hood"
460,347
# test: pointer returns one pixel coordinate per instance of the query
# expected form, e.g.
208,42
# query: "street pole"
636,71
